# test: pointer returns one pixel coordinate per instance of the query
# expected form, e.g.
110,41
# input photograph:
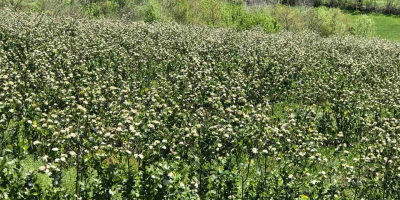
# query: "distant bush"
177,10
258,19
102,7
233,12
288,17
333,22
364,26
153,11
327,21
211,11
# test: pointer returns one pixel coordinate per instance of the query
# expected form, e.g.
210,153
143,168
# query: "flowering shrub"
164,111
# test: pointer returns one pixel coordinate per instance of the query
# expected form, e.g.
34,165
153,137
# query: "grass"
68,181
31,164
387,27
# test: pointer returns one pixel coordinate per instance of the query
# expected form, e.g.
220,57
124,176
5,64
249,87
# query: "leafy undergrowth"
108,110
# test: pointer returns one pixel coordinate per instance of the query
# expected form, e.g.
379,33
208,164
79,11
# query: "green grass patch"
31,164
387,27
68,180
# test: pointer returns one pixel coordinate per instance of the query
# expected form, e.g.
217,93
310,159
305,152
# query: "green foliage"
151,11
331,22
118,110
211,11
364,26
93,9
14,184
233,12
178,10
387,27
215,13
260,19
101,8
288,17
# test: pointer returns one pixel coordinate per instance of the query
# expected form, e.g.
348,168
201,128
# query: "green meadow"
387,27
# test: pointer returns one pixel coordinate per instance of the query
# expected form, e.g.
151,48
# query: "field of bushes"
103,109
